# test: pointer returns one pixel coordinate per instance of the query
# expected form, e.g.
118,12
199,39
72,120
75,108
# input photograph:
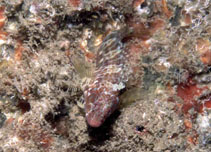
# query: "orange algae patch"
193,98
193,139
9,121
156,25
3,35
207,104
46,142
136,3
30,131
188,124
18,51
2,17
166,11
68,53
203,47
140,30
143,32
75,3
206,57
188,92
186,18
90,56
134,51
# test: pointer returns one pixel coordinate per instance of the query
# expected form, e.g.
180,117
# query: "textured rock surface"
49,58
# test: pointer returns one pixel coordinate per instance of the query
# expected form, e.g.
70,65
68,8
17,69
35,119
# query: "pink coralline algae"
101,96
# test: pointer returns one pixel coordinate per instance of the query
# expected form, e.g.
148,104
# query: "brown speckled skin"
101,96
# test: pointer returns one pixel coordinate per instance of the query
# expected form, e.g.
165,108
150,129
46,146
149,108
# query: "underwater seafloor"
47,58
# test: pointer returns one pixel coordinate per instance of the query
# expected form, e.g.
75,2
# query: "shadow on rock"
104,132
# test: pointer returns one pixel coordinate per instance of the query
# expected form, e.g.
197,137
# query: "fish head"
99,106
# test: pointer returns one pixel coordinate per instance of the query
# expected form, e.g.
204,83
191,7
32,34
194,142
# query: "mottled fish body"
101,96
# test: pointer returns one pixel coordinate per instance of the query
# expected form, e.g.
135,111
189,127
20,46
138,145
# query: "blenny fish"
110,76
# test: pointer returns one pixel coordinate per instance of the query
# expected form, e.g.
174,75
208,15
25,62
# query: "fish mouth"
98,116
94,123
99,107
93,120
